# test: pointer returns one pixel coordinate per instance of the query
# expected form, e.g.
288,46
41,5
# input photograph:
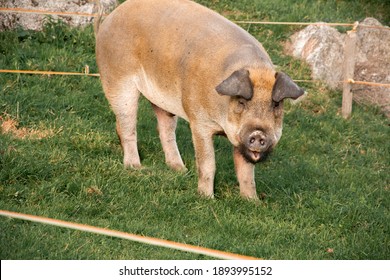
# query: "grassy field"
325,188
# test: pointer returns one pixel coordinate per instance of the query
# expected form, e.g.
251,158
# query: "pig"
190,62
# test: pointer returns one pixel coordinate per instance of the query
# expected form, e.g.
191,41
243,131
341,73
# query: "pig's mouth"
254,156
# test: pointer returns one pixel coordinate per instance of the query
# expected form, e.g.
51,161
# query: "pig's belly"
168,99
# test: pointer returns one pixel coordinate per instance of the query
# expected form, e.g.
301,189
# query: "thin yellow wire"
129,236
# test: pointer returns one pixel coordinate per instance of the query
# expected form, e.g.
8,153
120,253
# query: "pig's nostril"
257,141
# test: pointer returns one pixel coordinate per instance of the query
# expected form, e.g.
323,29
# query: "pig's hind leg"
124,102
166,126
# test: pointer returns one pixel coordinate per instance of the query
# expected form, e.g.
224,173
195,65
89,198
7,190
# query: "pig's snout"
258,141
255,145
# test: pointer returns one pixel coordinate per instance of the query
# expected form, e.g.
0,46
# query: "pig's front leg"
205,160
245,172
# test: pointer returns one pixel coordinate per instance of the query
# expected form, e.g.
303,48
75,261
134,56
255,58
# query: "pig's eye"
276,104
241,103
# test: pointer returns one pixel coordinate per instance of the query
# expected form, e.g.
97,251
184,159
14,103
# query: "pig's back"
177,33
173,48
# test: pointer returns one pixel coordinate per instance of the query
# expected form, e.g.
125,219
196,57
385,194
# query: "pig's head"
256,109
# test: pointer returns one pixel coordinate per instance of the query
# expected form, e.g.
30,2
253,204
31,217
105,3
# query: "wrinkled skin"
192,63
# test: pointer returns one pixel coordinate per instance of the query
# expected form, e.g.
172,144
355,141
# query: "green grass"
326,186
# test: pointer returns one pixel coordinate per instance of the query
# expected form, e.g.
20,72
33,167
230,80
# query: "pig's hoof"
206,194
250,197
178,167
136,166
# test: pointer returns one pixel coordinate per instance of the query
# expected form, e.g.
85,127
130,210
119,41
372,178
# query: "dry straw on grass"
8,125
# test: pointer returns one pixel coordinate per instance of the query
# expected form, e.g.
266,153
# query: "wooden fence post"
349,69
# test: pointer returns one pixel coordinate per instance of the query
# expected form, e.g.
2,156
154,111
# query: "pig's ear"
284,87
238,84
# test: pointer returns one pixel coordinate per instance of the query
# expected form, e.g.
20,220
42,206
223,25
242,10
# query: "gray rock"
373,64
322,47
35,21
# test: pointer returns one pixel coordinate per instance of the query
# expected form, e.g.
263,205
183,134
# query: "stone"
322,47
373,65
36,21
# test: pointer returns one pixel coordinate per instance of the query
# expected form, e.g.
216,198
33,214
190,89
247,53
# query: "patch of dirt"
11,126
94,190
